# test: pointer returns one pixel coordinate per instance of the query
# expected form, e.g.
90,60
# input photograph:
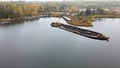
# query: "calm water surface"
35,44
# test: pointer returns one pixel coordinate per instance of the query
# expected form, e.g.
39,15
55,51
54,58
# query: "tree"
74,9
88,12
20,11
82,13
100,10
32,9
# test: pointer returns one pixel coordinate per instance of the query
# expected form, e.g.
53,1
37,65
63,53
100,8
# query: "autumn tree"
15,10
74,9
32,9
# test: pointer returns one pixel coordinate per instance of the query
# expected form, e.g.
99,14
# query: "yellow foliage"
20,11
74,9
32,9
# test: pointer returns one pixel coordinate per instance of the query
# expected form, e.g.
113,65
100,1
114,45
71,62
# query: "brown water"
35,44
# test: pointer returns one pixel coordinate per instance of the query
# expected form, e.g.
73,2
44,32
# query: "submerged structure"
66,18
83,32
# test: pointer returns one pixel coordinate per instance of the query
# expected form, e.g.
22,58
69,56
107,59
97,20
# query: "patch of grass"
82,20
106,16
56,15
3,19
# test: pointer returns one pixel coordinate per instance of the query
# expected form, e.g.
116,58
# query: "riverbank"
88,20
106,16
75,20
56,14
9,20
81,20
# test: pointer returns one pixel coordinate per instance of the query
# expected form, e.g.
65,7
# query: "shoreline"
87,21
9,20
81,21
84,21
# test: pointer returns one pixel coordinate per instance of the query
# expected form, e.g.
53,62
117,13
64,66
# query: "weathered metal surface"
83,32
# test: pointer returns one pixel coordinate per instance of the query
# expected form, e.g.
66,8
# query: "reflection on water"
35,44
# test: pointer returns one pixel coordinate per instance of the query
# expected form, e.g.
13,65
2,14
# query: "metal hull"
79,31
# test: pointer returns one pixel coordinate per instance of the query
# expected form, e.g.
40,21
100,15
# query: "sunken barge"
79,31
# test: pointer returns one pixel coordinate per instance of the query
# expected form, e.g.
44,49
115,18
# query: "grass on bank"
82,20
88,20
106,16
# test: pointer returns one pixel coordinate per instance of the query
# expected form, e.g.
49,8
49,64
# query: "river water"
35,44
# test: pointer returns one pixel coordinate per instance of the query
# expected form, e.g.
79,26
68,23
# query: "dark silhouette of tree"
88,12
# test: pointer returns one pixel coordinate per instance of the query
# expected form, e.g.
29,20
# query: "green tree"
88,12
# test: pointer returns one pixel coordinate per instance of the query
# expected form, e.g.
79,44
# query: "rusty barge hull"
79,31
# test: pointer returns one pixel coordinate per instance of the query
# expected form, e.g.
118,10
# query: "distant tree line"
15,10
22,9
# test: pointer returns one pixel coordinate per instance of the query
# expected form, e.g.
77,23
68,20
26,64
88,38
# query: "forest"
15,10
21,9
